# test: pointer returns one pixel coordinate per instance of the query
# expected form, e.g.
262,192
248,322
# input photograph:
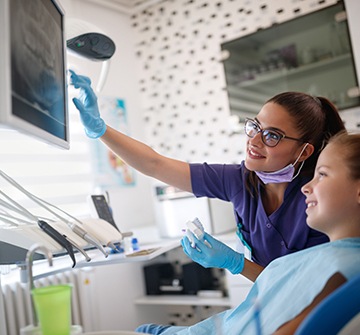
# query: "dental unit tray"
25,236
59,233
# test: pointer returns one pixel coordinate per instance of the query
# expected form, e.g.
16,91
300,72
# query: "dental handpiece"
79,248
59,238
87,237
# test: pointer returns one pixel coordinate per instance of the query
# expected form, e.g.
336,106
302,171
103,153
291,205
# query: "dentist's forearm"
147,161
251,270
135,153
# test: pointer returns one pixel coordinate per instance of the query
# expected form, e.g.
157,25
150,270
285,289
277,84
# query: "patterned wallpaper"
182,82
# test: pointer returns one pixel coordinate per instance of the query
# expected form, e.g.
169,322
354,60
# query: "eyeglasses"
270,137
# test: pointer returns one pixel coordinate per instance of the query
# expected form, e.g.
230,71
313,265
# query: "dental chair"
338,314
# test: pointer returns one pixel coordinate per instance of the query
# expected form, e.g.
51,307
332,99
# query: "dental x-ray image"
37,68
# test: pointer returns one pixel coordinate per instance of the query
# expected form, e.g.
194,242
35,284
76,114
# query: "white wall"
353,10
352,117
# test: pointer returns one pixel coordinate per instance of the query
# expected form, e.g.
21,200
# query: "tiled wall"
182,82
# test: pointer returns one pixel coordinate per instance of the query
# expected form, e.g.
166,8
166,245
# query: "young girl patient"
290,287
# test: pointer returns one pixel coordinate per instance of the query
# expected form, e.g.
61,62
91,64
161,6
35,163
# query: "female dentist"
284,142
290,287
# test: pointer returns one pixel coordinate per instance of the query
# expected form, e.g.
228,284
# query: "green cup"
53,309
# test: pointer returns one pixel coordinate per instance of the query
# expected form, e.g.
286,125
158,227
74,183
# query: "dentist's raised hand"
86,103
210,252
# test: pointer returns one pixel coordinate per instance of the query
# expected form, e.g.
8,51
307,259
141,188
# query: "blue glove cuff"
98,132
238,264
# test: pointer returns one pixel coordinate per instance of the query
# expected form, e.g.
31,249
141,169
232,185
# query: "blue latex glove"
95,126
219,255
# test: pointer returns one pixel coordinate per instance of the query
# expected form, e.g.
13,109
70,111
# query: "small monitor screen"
37,66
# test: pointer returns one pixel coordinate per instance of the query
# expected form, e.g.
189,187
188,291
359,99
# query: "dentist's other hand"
219,255
87,105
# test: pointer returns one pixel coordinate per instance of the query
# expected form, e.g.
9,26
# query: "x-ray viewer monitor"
33,95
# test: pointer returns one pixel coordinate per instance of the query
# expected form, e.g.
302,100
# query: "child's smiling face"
332,196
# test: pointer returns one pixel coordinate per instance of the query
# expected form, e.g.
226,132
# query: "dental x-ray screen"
36,39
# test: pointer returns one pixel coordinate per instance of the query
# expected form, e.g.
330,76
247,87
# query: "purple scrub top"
283,232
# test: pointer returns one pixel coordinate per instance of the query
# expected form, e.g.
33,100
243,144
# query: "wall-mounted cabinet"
311,53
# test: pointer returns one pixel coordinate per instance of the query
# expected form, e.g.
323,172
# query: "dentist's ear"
308,150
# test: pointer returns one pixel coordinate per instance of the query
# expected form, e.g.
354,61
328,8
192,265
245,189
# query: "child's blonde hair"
350,146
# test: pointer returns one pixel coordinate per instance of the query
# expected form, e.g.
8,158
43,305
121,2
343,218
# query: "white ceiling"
126,6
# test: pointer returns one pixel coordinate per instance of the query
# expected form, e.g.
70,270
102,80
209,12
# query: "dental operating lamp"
86,40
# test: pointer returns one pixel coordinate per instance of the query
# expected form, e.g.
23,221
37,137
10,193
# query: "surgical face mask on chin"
284,175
